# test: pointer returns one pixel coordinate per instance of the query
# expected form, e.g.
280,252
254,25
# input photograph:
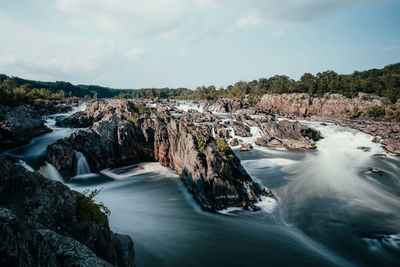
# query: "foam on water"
49,171
139,169
26,166
186,105
335,166
82,167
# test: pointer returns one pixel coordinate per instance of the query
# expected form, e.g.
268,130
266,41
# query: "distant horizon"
173,43
217,87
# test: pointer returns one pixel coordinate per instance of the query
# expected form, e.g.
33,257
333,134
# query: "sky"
190,43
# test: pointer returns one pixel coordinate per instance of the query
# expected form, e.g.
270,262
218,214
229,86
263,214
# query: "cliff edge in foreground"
44,223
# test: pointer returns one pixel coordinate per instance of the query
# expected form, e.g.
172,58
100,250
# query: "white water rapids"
331,209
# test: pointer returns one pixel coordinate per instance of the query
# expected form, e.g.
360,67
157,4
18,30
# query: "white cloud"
248,21
35,54
170,18
134,54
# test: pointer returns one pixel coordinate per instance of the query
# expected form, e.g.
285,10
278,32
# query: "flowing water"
331,209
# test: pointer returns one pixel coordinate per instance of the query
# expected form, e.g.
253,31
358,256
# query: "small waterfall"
51,172
82,167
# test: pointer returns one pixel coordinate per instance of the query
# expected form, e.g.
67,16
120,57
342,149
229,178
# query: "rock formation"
18,125
43,222
128,133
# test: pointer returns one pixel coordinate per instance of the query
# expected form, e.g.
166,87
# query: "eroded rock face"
208,167
38,215
287,134
240,128
18,125
330,105
225,105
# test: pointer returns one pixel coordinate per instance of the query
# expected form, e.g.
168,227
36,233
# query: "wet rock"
376,139
225,105
18,125
392,145
246,147
234,142
269,141
208,167
379,155
240,129
377,171
287,134
223,133
323,124
364,148
77,120
48,218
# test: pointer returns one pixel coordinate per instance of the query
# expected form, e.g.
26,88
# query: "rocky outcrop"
18,125
328,106
341,110
208,167
240,128
43,221
225,105
246,147
284,133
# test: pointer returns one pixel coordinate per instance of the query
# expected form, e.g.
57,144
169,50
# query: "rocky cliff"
352,112
44,223
18,125
129,133
328,106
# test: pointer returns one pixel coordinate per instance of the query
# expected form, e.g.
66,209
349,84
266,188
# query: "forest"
383,82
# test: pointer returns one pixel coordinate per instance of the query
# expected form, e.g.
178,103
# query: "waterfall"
51,172
82,167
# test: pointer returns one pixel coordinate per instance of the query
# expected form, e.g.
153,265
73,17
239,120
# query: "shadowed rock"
41,218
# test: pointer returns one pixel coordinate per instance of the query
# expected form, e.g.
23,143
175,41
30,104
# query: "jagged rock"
225,105
77,120
246,147
373,170
391,145
245,118
194,116
287,134
364,148
210,170
376,140
240,129
18,125
42,204
338,109
269,141
330,105
234,142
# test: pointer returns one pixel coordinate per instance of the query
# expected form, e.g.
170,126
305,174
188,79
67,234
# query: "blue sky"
188,43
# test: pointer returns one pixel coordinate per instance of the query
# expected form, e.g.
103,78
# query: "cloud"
172,18
134,54
35,54
248,21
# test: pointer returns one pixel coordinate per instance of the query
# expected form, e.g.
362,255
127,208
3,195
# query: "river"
331,209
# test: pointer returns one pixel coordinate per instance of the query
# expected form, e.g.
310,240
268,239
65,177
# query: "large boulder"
284,133
18,125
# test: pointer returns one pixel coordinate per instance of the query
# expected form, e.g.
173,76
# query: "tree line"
383,82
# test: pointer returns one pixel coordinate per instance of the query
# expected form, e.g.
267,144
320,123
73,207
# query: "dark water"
331,209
